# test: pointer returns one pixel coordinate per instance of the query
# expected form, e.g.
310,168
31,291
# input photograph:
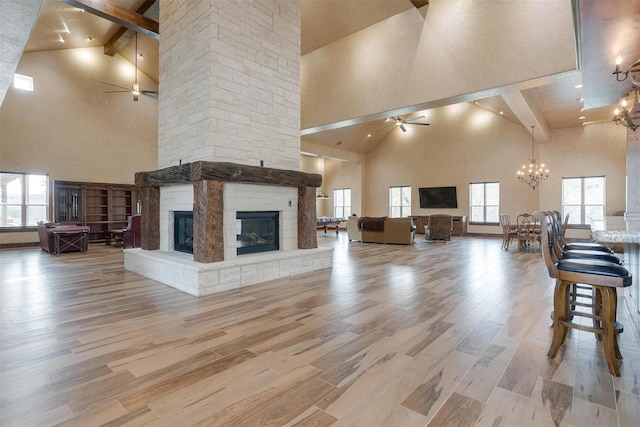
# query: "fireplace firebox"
257,232
183,231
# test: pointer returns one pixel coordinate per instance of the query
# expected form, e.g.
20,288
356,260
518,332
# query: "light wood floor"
428,334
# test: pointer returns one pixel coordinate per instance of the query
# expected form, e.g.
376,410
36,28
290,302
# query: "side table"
63,240
116,237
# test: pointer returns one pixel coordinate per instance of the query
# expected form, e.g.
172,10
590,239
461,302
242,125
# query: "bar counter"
613,229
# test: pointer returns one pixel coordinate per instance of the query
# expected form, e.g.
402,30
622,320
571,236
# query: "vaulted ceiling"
605,29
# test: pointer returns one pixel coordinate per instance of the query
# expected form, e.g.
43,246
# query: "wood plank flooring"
423,335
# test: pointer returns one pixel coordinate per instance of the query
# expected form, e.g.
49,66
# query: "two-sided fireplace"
183,231
257,232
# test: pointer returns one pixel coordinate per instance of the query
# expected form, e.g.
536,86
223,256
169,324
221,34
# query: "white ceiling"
605,29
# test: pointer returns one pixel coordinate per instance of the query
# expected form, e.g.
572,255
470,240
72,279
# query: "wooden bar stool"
603,277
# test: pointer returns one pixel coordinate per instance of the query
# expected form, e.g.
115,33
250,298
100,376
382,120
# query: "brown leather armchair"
131,234
440,227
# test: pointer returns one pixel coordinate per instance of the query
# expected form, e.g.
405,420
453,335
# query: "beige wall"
335,174
69,128
466,144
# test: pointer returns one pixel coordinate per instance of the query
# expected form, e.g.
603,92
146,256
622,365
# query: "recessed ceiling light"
501,112
60,39
89,39
581,118
582,109
578,86
369,136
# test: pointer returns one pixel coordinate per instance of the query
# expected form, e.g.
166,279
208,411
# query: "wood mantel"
226,172
207,179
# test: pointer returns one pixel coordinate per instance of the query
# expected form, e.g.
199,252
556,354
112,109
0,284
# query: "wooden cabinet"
459,224
102,207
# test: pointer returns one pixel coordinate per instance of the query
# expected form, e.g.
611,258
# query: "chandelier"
622,115
534,173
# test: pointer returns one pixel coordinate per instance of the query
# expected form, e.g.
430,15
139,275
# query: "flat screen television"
438,197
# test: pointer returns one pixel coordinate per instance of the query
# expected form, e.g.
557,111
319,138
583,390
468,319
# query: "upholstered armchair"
439,227
131,234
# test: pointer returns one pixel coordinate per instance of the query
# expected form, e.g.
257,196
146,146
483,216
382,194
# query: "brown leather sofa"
394,230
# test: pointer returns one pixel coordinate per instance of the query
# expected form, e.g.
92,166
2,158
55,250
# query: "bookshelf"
101,206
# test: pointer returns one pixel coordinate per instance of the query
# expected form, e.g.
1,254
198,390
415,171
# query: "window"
399,202
583,199
23,82
485,202
23,199
342,202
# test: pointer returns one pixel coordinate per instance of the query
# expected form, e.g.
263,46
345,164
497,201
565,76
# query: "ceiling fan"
397,121
135,88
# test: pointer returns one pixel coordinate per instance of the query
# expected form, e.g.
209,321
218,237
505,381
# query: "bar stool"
590,246
603,276
564,251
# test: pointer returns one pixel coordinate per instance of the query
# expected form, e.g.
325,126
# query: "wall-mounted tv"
438,197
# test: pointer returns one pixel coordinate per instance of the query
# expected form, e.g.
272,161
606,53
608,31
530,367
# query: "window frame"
343,206
402,207
24,204
484,205
582,204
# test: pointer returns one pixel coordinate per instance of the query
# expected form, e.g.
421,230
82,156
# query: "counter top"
613,229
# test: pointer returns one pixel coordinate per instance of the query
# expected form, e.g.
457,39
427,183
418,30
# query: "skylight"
23,82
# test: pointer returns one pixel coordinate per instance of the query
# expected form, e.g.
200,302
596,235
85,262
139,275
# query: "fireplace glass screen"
183,231
257,232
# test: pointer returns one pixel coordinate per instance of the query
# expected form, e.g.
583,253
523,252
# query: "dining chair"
527,230
509,231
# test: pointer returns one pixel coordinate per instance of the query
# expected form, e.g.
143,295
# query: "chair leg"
608,329
560,305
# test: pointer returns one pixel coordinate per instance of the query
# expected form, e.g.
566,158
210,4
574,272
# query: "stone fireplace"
218,194
230,105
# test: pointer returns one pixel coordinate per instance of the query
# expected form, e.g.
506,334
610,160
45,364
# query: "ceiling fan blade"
111,84
404,129
419,124
149,91
150,94
413,119
117,91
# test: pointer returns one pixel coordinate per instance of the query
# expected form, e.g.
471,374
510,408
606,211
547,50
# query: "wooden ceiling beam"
121,37
114,13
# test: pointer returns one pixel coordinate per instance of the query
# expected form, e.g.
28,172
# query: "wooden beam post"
149,217
208,237
307,233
